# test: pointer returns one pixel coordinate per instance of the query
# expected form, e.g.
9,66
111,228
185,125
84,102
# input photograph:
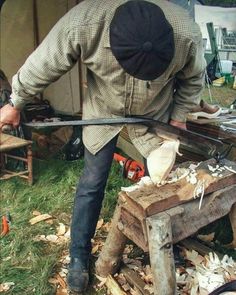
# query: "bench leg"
161,254
2,162
30,164
232,217
111,254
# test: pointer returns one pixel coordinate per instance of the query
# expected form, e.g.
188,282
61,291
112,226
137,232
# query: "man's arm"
56,55
189,83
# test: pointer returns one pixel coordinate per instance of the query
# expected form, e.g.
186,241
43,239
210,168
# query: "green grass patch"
27,263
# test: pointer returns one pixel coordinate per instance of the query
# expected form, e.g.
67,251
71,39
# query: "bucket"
226,66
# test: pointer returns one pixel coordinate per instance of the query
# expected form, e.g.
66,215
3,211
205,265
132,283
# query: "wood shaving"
177,174
61,230
199,192
99,224
39,218
230,169
207,238
4,287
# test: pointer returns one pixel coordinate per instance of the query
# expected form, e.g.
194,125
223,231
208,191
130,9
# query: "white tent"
221,18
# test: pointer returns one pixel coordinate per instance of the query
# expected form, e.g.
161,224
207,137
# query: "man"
143,58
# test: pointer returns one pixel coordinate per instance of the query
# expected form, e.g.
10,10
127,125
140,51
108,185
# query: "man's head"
142,39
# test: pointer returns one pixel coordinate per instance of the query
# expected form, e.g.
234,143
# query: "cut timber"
150,200
191,244
113,286
134,280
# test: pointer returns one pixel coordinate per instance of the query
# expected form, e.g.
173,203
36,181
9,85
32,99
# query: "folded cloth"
205,110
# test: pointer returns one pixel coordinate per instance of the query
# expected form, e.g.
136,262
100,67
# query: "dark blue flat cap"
142,39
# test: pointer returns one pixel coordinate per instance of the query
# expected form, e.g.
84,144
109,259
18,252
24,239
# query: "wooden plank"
191,244
214,207
214,121
134,280
114,287
133,228
213,129
150,200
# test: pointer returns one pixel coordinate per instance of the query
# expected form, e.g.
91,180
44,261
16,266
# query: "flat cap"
142,39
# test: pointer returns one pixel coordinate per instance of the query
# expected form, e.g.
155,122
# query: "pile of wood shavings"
218,169
200,275
205,274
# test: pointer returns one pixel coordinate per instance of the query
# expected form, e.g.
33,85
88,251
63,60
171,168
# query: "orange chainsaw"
131,169
6,221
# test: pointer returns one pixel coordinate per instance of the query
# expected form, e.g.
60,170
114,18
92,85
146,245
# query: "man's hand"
181,125
9,116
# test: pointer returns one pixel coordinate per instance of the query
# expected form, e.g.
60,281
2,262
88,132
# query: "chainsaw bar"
185,136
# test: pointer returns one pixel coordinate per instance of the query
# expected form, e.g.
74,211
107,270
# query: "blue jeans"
88,199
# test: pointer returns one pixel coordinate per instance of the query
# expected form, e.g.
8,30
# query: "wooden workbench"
222,127
156,218
216,128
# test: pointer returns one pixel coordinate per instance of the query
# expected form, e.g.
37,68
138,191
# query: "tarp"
24,23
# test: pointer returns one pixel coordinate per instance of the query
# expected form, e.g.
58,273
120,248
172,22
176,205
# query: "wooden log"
161,254
111,254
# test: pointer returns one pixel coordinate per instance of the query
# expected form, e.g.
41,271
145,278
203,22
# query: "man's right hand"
9,116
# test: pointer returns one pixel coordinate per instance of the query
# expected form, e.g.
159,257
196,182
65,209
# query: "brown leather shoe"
205,110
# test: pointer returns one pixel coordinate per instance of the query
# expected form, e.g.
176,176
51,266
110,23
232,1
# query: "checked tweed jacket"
84,33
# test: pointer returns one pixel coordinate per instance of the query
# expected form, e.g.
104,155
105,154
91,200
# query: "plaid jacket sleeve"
189,82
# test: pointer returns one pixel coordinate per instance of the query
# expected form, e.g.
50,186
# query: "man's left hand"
181,125
9,116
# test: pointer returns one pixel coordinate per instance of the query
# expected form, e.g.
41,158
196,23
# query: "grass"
223,96
30,264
